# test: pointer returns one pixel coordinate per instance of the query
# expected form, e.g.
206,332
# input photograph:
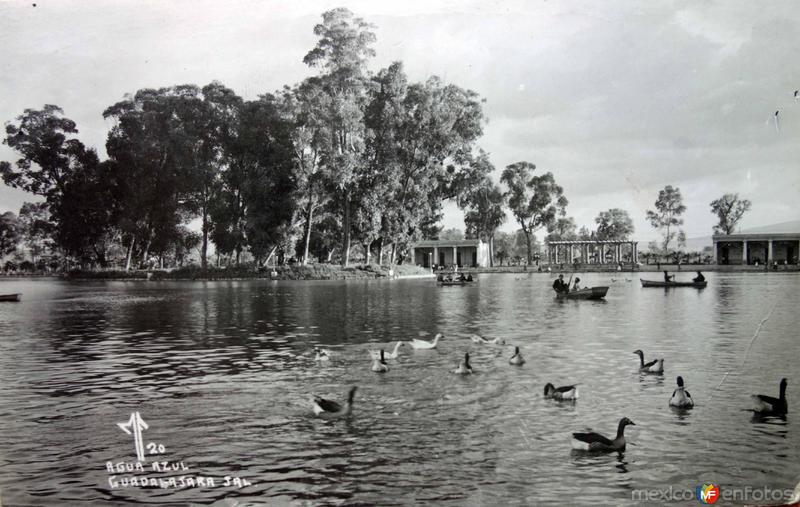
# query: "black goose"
563,393
681,397
328,409
597,442
767,405
654,366
379,365
516,359
464,368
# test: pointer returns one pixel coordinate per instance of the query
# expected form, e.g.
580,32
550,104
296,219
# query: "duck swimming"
464,368
423,344
321,354
376,354
516,359
327,409
563,393
681,397
595,442
480,340
654,366
379,365
767,405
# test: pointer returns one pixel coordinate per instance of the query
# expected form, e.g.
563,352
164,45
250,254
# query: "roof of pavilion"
592,242
757,236
444,243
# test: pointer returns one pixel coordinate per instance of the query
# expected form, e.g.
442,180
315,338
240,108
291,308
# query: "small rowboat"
10,298
587,293
652,283
454,282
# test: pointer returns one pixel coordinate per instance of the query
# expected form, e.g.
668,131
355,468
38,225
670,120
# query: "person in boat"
576,285
699,278
469,277
667,277
462,277
560,285
440,277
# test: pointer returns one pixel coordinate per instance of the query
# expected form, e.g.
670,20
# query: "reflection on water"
222,373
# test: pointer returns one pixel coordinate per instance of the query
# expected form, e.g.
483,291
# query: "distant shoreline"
372,272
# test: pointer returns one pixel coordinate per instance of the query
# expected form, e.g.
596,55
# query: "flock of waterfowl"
763,405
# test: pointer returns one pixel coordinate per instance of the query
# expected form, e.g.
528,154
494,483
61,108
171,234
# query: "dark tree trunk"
528,242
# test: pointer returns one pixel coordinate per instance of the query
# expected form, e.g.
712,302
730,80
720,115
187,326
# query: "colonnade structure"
593,252
756,248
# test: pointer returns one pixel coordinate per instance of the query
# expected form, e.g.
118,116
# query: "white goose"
423,344
464,368
516,359
376,354
321,354
327,409
681,397
379,365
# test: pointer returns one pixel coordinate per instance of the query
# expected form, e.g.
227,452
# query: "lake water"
221,373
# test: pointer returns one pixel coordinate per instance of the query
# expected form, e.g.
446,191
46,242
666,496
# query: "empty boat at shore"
10,298
654,283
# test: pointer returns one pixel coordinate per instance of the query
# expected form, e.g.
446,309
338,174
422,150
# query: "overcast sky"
616,99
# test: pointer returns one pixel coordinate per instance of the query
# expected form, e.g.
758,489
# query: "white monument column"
744,252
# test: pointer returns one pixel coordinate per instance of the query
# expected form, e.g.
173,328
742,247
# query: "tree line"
346,157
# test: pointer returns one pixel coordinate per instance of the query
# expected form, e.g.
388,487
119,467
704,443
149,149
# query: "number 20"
152,448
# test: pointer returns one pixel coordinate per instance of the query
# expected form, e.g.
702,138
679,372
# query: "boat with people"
10,298
654,283
587,293
453,282
451,279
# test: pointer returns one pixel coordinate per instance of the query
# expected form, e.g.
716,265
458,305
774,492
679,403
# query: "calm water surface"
221,372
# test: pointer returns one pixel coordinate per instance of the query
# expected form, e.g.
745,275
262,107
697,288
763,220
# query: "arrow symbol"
134,426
